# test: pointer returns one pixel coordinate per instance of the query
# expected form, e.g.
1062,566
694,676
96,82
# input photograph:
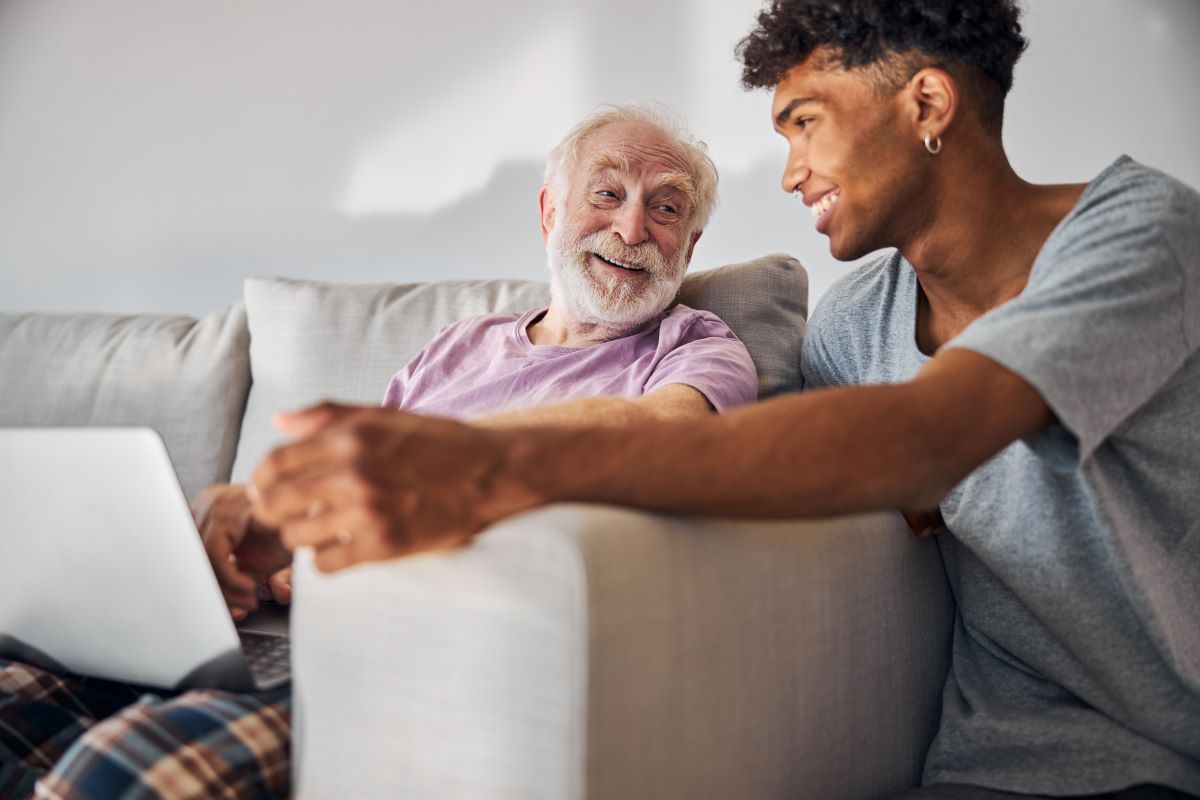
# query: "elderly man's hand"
366,484
243,552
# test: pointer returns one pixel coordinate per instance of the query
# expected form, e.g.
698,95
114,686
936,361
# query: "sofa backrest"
313,341
185,377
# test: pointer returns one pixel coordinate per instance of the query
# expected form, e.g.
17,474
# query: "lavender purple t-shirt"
487,364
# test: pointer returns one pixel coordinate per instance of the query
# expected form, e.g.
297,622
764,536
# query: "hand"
280,586
367,484
924,523
242,551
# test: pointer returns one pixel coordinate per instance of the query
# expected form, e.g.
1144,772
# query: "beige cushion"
313,341
185,377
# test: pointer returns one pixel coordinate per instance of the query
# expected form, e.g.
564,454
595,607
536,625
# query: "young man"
628,193
1022,372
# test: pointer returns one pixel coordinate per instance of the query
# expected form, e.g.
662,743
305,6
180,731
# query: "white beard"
609,300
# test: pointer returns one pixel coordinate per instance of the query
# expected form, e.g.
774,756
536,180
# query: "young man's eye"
803,122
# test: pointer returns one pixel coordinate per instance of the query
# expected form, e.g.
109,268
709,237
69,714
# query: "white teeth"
825,203
621,264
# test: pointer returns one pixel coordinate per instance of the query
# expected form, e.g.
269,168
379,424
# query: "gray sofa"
572,652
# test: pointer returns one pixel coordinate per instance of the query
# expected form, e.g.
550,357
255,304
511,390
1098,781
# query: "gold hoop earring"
933,144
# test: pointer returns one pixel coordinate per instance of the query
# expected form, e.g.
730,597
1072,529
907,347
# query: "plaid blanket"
70,737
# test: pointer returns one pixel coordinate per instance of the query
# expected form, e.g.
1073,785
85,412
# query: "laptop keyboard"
269,657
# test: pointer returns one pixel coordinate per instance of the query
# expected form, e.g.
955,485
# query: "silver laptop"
103,573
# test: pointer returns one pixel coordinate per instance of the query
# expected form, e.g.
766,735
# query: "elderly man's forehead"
630,146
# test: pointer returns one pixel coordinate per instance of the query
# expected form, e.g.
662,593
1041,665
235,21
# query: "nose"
795,171
629,223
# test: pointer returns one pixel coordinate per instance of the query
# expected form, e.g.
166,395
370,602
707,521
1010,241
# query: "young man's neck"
984,232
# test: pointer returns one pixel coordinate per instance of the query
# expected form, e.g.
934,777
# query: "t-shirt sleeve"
397,389
1109,313
707,356
393,396
819,355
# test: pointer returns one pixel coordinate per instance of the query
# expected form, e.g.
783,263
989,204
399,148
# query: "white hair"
703,171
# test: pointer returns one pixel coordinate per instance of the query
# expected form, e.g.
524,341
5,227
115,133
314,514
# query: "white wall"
155,152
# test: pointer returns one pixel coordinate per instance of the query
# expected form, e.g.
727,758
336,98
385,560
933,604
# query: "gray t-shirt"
1073,554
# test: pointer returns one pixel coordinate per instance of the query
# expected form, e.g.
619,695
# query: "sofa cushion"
313,341
185,377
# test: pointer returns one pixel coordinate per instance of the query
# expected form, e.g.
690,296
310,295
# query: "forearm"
587,411
674,402
805,455
816,454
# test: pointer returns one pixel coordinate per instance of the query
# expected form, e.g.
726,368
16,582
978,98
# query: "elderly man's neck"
558,327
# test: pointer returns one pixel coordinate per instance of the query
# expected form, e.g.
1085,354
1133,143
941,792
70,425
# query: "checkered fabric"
85,738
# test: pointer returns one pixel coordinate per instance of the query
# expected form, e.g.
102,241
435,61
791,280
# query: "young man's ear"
546,206
934,98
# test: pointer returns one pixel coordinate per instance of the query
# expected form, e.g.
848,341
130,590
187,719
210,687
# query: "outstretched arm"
398,483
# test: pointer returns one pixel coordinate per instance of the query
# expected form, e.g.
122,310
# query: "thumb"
307,421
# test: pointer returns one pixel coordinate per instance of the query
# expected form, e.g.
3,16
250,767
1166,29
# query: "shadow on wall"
154,155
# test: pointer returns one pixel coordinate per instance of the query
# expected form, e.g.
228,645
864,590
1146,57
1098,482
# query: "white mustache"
609,246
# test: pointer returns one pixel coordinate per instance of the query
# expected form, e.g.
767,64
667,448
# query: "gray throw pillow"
313,341
187,378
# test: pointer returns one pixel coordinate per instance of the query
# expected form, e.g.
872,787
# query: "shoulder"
1131,185
685,323
1127,203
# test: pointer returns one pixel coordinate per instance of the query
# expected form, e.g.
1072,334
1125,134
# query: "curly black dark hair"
978,41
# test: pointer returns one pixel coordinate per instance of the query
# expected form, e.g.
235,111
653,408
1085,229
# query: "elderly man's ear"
692,246
546,206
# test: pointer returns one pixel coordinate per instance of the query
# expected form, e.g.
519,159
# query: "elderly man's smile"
614,264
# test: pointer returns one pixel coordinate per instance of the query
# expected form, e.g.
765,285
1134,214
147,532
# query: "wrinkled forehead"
636,149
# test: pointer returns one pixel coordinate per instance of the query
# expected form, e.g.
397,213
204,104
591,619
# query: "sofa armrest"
586,651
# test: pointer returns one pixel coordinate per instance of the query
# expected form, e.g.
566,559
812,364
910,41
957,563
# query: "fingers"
314,496
306,422
374,545
336,556
222,518
280,585
238,588
332,526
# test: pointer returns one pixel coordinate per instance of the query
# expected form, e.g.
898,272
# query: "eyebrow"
610,159
674,179
681,182
782,117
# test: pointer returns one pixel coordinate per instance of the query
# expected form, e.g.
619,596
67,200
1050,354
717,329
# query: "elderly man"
626,197
1021,372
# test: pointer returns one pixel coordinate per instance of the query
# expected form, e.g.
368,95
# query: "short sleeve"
1104,320
706,355
397,389
818,365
